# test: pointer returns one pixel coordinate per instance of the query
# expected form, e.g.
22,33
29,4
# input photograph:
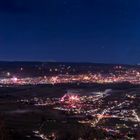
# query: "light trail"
136,116
40,135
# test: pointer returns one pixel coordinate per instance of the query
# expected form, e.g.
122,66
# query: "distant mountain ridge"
58,63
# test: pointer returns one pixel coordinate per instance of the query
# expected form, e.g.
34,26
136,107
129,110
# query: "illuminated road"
101,116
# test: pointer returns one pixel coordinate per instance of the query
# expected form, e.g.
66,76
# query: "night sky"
101,31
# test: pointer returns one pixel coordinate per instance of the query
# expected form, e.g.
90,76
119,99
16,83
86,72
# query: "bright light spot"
8,74
14,79
70,98
73,98
54,80
86,78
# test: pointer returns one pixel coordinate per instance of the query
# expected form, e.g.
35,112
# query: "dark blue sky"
101,31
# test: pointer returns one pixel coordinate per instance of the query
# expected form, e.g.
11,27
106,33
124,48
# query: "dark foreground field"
20,121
